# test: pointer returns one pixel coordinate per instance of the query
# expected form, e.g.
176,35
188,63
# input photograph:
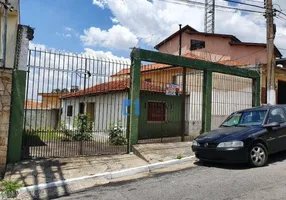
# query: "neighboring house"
37,116
44,114
230,93
104,104
216,47
160,115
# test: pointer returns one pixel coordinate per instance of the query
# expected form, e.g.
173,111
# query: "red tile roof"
29,104
113,86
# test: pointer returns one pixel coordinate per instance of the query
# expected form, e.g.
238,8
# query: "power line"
281,18
280,12
188,2
254,1
247,4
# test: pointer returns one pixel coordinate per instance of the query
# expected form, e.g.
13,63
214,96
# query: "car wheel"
258,155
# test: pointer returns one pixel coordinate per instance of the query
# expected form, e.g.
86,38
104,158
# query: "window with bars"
156,111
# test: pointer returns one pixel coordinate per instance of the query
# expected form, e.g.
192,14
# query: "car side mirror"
271,125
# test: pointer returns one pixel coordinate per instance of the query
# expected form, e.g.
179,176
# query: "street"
204,181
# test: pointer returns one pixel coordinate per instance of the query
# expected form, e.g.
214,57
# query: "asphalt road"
211,181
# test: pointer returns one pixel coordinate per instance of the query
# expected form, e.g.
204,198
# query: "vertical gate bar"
135,95
256,92
48,86
183,106
53,69
57,144
73,102
207,101
24,142
93,142
42,126
84,99
61,148
66,91
128,110
32,103
37,105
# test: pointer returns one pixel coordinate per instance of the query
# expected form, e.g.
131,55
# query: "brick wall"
5,104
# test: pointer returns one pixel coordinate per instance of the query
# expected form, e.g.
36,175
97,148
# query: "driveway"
211,181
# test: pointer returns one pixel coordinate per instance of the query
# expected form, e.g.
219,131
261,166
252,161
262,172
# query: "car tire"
257,155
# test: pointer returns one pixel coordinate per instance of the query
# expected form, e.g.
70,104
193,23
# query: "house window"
156,112
197,44
81,108
69,111
174,79
148,80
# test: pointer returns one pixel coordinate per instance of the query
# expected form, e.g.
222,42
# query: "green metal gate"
202,95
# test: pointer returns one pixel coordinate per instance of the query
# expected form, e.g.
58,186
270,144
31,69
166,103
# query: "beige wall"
12,25
217,45
51,101
6,79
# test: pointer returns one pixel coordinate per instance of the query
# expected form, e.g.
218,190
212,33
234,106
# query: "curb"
107,175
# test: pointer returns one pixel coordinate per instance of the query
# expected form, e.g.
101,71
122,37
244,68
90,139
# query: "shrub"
116,136
84,125
84,136
83,128
10,188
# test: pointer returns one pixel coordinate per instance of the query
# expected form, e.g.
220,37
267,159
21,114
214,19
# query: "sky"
109,28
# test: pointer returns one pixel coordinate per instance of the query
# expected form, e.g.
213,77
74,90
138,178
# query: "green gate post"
135,95
17,116
256,92
24,34
207,101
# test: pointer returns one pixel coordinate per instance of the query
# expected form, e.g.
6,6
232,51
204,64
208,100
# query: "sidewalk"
63,176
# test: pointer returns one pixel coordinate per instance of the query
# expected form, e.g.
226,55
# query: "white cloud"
37,46
104,55
154,20
64,35
68,28
117,37
99,3
68,35
114,20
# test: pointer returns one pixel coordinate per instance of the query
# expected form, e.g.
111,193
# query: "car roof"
264,107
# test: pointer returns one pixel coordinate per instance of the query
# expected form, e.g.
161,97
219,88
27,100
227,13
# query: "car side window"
277,115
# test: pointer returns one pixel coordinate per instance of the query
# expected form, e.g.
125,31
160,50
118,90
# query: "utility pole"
271,92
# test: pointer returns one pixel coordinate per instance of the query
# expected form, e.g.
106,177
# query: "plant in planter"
116,136
11,188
